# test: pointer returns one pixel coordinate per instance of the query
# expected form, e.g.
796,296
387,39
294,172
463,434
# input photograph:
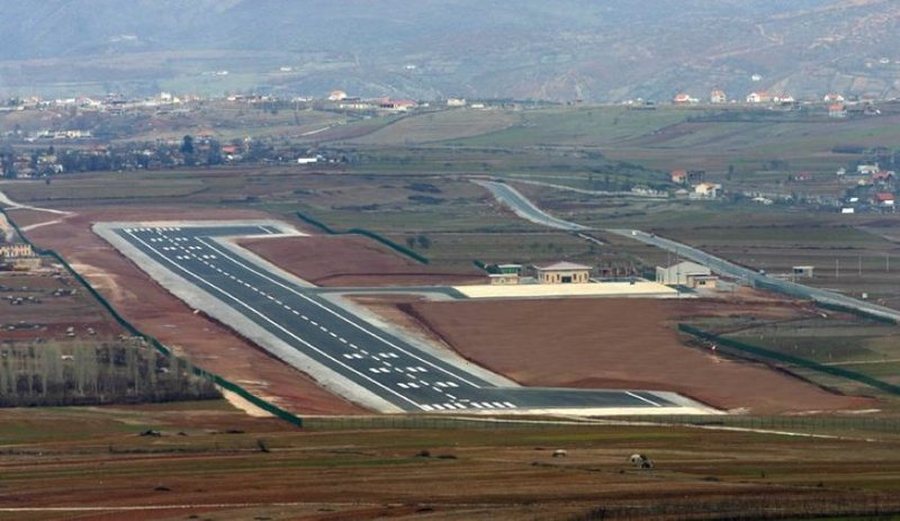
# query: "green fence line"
790,359
151,340
366,233
854,311
800,423
390,244
317,223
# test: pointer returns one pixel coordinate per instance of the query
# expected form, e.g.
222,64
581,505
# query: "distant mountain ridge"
558,50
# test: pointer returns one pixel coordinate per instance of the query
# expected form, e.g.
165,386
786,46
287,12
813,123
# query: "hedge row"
762,352
366,233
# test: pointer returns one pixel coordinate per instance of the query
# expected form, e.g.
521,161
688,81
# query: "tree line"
54,374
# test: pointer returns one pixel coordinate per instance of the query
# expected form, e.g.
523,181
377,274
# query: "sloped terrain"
571,49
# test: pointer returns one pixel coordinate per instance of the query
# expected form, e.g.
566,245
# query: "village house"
683,98
707,190
718,96
759,97
679,176
833,97
337,95
837,110
883,176
456,102
883,200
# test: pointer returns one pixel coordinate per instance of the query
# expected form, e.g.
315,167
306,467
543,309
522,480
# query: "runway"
364,358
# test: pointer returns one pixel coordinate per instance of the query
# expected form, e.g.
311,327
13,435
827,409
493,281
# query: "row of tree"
62,374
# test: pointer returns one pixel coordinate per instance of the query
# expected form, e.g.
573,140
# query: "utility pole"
837,268
859,266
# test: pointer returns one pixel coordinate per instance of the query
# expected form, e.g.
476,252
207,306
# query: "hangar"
683,274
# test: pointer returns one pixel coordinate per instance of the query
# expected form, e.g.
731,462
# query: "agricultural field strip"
527,210
372,359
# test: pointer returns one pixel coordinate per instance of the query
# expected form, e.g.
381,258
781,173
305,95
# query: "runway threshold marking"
336,314
273,323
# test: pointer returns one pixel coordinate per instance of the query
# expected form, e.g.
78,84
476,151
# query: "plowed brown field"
327,260
618,343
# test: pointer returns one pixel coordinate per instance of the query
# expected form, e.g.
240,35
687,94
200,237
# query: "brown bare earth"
327,260
50,304
619,343
152,309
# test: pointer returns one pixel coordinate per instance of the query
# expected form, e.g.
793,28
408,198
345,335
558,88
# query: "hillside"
562,50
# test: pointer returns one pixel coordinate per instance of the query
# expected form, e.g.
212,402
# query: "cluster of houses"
836,104
36,163
112,103
874,189
718,96
693,184
341,100
203,150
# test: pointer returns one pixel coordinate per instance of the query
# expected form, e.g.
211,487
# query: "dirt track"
205,342
627,343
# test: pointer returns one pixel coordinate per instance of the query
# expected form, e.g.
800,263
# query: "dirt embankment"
327,260
617,343
152,309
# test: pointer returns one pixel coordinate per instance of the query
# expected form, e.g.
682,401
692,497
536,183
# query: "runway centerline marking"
272,322
335,313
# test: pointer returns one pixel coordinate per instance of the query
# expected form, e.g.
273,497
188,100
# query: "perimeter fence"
153,341
399,248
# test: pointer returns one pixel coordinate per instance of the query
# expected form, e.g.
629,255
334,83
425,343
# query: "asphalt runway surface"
373,358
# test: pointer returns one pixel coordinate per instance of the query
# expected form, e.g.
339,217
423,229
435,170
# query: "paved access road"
374,359
527,210
757,279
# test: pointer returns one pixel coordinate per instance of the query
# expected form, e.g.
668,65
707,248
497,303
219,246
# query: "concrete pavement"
347,354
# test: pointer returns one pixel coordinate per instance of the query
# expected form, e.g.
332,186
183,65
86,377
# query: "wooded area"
54,374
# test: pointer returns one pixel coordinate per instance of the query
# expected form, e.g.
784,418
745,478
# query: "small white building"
707,190
718,96
803,272
683,274
868,169
337,95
